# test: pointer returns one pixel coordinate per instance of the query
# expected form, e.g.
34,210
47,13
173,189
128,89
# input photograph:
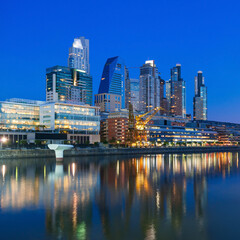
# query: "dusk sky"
201,35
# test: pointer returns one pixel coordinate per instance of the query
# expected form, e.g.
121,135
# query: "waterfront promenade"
46,153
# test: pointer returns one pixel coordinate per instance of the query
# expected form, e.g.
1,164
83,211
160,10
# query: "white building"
79,55
80,122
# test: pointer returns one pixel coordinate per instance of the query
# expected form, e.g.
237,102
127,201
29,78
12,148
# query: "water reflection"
149,197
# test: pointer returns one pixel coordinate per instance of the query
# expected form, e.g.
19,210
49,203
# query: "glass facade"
200,98
67,84
181,134
176,92
134,93
149,87
70,118
114,78
79,55
19,116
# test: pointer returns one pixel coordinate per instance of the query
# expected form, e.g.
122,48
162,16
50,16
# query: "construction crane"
137,125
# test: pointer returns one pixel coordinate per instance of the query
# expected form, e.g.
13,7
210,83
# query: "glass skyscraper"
79,55
149,87
134,93
68,84
115,80
176,93
200,98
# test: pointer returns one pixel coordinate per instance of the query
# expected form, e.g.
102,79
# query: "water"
193,196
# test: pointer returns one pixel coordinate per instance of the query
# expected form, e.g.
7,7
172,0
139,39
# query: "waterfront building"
79,55
114,128
19,114
115,80
68,84
149,88
80,122
177,134
134,94
31,120
176,93
19,118
227,132
108,102
200,98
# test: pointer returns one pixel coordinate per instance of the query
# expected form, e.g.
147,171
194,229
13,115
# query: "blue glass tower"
200,99
114,77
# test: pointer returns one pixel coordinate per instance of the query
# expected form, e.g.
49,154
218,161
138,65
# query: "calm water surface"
192,196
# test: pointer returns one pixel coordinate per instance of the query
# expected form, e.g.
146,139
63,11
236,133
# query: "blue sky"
201,35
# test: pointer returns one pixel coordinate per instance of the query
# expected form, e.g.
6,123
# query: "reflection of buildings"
138,197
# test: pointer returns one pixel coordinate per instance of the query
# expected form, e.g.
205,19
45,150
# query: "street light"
3,140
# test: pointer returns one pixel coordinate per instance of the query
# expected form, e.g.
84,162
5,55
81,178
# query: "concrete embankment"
44,153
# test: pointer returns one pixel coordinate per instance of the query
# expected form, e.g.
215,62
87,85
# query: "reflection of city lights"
158,199
16,174
75,200
44,172
117,167
3,170
73,169
4,139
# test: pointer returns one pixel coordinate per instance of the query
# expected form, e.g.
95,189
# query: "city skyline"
209,45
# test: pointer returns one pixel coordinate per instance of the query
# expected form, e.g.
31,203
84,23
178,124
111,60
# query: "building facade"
200,98
115,80
68,84
19,114
176,93
181,134
134,94
108,102
114,129
149,87
31,120
79,55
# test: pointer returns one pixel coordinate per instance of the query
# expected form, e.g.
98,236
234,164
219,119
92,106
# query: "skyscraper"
134,93
149,87
176,93
115,81
200,98
68,84
79,55
163,100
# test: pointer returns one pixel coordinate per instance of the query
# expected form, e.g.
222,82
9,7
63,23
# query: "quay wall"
45,153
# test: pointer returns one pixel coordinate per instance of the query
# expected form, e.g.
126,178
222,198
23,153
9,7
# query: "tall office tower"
127,88
114,81
176,92
149,86
134,92
79,55
163,100
68,84
200,98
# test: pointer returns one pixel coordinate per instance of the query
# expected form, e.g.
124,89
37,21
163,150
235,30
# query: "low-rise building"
114,128
30,120
80,122
181,134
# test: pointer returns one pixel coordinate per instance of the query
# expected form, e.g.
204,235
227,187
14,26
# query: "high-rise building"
163,100
176,93
200,98
149,87
68,84
79,55
134,93
115,80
